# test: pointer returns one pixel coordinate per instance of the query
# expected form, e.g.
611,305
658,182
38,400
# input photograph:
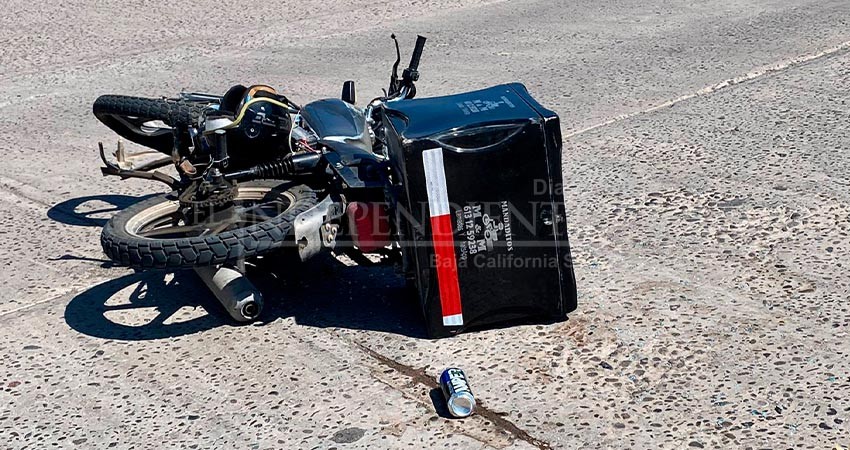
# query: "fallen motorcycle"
463,192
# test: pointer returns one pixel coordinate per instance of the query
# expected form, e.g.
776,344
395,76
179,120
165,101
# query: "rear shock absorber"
289,165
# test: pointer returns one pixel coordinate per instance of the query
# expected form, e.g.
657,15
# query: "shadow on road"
96,212
145,310
67,212
325,293
439,402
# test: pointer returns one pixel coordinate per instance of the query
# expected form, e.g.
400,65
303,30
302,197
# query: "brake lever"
394,83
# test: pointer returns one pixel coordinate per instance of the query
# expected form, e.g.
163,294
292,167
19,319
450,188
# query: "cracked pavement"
705,162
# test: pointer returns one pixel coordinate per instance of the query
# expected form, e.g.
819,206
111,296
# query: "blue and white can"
459,398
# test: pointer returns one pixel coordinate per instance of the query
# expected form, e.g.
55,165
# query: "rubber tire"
138,252
168,111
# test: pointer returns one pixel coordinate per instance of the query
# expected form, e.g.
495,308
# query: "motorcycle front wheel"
152,234
146,121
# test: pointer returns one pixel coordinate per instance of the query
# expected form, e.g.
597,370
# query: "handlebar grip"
417,53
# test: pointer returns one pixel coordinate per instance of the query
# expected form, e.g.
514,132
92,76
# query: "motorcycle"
259,174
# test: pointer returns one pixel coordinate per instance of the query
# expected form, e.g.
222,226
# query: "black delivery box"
479,197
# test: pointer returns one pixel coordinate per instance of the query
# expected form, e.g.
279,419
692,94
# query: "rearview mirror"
349,94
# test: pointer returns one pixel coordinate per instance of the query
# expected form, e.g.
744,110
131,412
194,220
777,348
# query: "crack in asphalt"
419,376
729,82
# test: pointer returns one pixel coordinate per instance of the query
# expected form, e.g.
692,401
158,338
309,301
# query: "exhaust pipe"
242,300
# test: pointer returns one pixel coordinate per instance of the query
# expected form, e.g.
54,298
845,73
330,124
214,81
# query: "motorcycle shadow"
92,210
323,293
326,293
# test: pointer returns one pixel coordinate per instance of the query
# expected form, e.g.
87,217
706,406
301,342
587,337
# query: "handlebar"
417,53
410,74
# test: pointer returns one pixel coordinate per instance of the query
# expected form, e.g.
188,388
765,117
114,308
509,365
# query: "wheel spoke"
183,230
217,228
138,126
254,218
259,210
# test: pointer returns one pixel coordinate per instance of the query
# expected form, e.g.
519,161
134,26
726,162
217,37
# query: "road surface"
706,153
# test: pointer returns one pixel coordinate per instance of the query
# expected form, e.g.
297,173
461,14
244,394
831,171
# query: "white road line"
13,191
61,294
758,73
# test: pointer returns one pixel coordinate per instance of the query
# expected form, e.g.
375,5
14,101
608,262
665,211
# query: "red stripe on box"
444,250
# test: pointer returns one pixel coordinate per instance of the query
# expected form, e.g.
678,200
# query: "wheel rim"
144,126
252,205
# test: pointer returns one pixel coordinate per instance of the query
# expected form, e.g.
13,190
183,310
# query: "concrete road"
706,156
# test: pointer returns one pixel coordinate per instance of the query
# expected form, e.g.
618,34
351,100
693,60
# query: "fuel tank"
337,121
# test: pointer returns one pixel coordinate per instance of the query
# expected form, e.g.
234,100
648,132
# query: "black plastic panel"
501,154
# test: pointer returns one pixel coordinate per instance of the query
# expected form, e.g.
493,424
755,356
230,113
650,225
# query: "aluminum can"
459,398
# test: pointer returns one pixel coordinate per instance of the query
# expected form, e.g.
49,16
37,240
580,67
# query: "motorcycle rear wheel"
150,235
